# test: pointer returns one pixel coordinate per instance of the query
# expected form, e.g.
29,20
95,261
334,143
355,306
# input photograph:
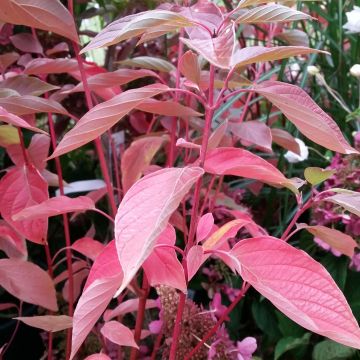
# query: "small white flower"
355,70
353,17
313,70
293,158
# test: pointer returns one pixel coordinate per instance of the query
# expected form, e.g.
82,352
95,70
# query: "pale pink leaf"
28,282
349,201
78,281
144,213
190,68
149,62
51,323
98,357
20,188
182,143
204,227
162,267
103,116
88,247
285,140
55,206
27,43
118,333
339,241
60,47
239,162
195,259
306,115
217,135
298,286
137,157
42,14
11,242
294,37
42,66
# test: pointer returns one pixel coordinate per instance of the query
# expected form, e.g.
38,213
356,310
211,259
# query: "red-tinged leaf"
55,206
8,136
136,25
11,243
349,201
76,266
167,108
128,306
239,162
298,286
149,62
115,78
88,247
28,104
247,3
195,258
204,227
12,119
190,68
27,85
41,66
98,357
217,51
255,54
27,43
6,306
45,15
137,157
118,333
162,267
217,136
303,112
225,232
182,143
60,47
253,132
7,59
339,241
285,140
78,282
51,323
103,116
144,213
104,279
270,13
22,187
294,37
28,282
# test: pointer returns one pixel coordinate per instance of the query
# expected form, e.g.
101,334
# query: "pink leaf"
26,43
118,333
42,66
51,323
204,227
349,201
254,133
182,143
239,162
285,140
195,259
137,157
339,241
104,279
55,206
12,119
88,247
97,357
144,213
28,282
190,68
60,47
20,188
162,267
78,282
301,110
11,242
217,135
103,116
7,59
45,15
298,286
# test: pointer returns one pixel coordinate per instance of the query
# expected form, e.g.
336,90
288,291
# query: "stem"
51,273
140,316
156,345
223,318
177,326
206,197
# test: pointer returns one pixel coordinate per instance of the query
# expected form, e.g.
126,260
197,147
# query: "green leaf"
316,175
330,350
288,327
337,267
290,343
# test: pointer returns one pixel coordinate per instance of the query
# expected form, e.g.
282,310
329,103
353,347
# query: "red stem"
223,318
156,345
177,326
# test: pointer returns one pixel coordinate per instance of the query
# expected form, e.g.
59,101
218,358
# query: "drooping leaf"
137,157
162,267
239,162
285,140
302,111
51,323
22,187
55,206
339,241
294,37
349,201
149,62
45,15
136,25
118,333
144,212
104,279
103,116
88,247
298,286
315,175
11,243
28,282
